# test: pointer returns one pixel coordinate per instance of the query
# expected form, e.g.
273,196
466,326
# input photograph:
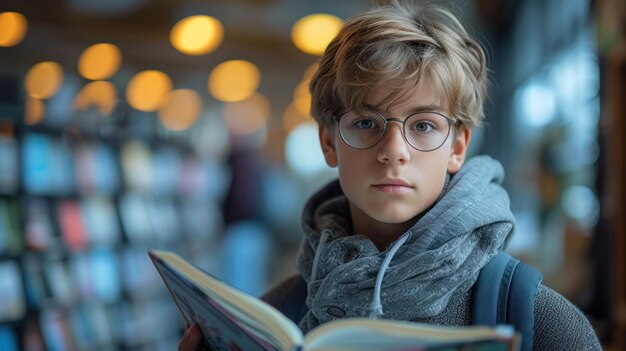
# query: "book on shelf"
230,319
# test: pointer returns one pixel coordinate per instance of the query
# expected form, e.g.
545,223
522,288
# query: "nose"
394,147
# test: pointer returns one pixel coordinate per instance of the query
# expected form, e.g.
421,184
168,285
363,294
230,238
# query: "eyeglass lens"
425,131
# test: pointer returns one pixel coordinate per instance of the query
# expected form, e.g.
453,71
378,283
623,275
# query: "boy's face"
392,182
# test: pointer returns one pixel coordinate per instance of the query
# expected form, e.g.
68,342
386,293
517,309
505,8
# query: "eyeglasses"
424,131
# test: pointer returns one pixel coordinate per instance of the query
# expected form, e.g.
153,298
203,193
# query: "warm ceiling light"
13,28
292,118
302,98
197,35
147,91
100,94
34,110
44,79
100,61
302,90
313,33
247,116
181,110
234,80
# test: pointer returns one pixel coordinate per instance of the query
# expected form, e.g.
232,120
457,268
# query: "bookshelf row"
40,225
59,165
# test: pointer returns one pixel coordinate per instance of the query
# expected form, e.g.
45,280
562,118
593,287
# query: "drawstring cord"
320,248
376,308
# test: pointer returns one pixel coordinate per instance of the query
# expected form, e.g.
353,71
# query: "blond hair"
405,43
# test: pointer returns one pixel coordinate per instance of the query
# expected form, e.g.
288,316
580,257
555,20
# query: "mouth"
393,186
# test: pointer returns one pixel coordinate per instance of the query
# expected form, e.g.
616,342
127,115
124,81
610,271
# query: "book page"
365,334
232,318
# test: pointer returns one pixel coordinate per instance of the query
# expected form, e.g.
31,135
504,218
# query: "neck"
380,233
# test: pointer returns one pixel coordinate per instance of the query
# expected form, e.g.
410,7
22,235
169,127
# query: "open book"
233,320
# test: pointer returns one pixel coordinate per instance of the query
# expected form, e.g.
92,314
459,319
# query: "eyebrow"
421,108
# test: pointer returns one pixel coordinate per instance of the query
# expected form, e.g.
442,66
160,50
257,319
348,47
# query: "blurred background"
184,125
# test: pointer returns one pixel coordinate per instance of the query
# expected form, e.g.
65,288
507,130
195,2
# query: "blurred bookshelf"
81,201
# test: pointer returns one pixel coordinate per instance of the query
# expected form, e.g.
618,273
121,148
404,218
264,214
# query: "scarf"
436,259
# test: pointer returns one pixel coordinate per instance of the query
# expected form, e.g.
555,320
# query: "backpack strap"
505,294
294,304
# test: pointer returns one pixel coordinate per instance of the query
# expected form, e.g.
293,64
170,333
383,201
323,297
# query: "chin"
394,217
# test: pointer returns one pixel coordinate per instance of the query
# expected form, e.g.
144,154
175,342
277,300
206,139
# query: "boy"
407,228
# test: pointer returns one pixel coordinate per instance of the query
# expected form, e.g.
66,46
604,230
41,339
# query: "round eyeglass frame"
451,122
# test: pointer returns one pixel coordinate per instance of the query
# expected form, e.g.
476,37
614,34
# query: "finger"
190,339
194,336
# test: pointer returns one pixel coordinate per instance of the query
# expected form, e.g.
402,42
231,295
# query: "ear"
327,141
459,149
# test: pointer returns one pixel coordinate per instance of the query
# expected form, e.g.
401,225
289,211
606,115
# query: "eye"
365,123
423,127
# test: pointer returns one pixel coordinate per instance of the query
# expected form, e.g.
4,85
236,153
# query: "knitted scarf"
436,259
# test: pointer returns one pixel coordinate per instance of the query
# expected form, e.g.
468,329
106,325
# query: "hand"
191,338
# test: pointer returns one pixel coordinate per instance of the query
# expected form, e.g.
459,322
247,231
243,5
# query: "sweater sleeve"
559,325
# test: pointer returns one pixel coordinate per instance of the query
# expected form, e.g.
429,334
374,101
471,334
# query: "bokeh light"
35,110
197,35
234,80
181,110
302,151
137,165
536,103
100,94
13,28
580,203
44,79
247,116
100,61
148,90
302,98
312,34
293,118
